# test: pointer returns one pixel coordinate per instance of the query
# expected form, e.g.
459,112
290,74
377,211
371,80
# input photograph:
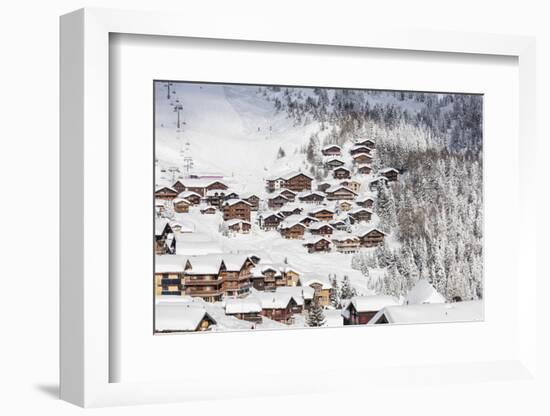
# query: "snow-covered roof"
423,292
320,209
297,293
315,240
305,194
160,225
364,231
379,178
334,159
273,300
386,170
357,155
278,195
320,224
236,221
246,305
211,263
358,146
333,318
359,209
231,202
335,188
341,168
307,279
181,200
198,182
330,146
360,141
170,263
179,317
432,313
160,188
372,303
295,219
343,236
187,194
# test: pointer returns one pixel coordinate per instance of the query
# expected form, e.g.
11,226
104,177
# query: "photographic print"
285,207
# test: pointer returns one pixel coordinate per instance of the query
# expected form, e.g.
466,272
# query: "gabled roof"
372,303
336,188
179,317
321,209
236,221
246,305
364,232
341,168
424,292
386,170
160,188
320,224
358,210
306,194
231,202
355,156
170,263
186,194
343,236
307,279
330,146
315,240
432,313
181,200
198,183
359,146
278,195
273,300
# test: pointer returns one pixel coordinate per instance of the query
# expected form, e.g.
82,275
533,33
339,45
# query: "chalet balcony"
203,292
202,282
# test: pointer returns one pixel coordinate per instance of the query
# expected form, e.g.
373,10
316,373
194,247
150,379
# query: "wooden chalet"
209,210
321,228
178,186
270,221
288,211
236,274
373,185
277,201
166,193
292,230
372,237
168,275
238,226
288,194
321,288
311,197
391,174
192,197
360,215
275,183
323,186
267,278
339,225
181,205
339,192
173,317
322,214
331,150
253,200
202,278
362,158
278,306
334,162
341,173
298,182
364,170
344,206
318,245
365,201
361,309
200,186
366,142
248,309
355,186
358,148
346,243
236,209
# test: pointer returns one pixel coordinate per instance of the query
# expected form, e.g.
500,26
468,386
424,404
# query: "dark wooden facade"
372,238
323,214
341,173
283,315
312,198
364,169
391,174
362,158
181,205
321,245
342,193
331,150
270,222
334,163
361,215
299,182
236,210
358,318
277,201
295,231
166,193
355,150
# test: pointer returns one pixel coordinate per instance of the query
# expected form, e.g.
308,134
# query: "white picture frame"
85,212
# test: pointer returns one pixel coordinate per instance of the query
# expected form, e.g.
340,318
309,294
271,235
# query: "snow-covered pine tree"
346,290
335,297
315,316
281,153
